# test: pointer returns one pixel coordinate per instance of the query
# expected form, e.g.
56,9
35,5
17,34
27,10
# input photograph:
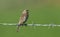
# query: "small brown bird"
23,18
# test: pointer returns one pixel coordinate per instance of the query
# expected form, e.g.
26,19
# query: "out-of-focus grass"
40,11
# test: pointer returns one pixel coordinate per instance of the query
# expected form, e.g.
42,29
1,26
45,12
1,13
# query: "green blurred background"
40,11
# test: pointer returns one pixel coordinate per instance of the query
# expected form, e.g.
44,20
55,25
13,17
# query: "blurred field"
41,11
